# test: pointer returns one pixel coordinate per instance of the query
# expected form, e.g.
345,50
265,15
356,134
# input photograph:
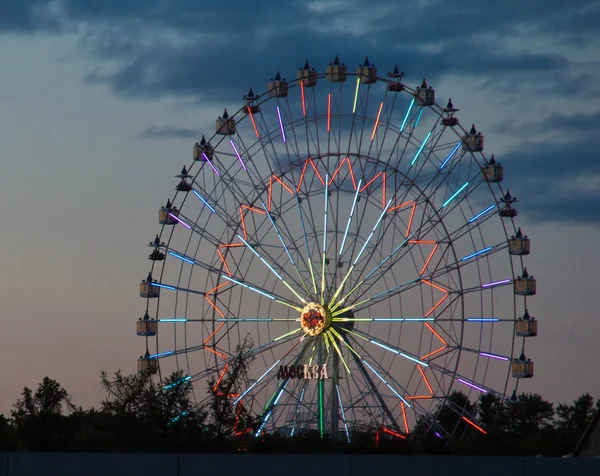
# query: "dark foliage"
137,415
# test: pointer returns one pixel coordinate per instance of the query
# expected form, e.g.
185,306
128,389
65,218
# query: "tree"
529,415
226,417
143,415
37,415
575,417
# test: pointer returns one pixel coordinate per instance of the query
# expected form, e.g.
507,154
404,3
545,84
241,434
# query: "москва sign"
306,372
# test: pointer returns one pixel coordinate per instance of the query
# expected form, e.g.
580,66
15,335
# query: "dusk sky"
102,100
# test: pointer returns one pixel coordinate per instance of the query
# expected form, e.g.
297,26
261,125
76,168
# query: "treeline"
137,415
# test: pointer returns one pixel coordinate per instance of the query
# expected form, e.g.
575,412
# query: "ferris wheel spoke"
358,256
415,404
259,256
269,408
269,371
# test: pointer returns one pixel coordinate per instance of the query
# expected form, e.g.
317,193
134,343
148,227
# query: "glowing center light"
314,319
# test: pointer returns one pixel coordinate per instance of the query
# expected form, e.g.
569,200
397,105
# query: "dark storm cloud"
22,16
213,50
168,132
576,126
560,180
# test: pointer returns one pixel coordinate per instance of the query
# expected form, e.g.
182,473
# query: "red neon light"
220,378
370,182
224,262
477,427
393,433
433,353
347,159
216,308
302,93
433,285
420,397
254,209
217,353
328,112
412,215
383,179
304,171
253,122
425,378
433,309
383,191
243,222
428,260
433,330
271,189
220,285
402,205
377,121
404,418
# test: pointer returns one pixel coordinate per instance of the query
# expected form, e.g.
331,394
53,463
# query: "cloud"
168,132
558,180
159,48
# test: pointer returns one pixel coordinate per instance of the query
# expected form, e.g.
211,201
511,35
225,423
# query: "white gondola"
493,171
278,88
367,72
146,365
307,76
508,211
522,368
146,327
526,326
147,290
225,125
425,95
336,72
519,244
473,141
164,214
525,285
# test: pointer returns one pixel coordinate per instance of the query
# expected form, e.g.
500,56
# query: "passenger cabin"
146,327
473,141
307,76
147,290
367,72
336,72
183,186
251,105
156,254
166,214
450,120
493,171
525,285
522,368
395,85
507,211
424,95
526,326
278,88
519,244
225,125
146,365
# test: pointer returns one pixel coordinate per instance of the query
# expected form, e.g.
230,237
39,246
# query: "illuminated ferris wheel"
355,232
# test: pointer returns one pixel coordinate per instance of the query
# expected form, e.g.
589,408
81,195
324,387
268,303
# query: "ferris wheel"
351,230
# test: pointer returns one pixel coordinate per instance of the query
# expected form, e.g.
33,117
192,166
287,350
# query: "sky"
101,100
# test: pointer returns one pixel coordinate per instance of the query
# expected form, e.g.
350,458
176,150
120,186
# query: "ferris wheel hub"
314,319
